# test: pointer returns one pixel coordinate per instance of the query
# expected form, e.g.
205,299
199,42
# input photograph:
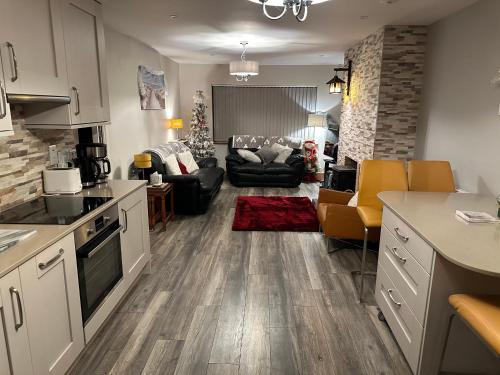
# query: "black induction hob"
57,209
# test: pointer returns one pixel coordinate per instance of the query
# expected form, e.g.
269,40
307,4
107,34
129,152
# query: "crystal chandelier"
299,8
243,69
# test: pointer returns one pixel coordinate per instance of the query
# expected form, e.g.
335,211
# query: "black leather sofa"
243,173
193,192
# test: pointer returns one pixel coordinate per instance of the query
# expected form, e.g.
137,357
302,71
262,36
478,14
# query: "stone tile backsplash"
23,157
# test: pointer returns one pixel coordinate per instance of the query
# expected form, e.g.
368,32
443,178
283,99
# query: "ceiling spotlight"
388,2
173,16
243,69
299,7
363,17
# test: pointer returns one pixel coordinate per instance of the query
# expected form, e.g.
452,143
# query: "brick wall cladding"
379,118
23,156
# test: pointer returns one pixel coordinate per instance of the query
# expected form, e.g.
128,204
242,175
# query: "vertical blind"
258,110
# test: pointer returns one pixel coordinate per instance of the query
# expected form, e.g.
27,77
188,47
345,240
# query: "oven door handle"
102,244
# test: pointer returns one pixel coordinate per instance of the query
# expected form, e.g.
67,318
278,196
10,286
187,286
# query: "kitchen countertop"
47,235
432,215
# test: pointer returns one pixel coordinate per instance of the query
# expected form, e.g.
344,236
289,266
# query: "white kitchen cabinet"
5,118
85,63
52,301
135,235
33,47
85,58
14,329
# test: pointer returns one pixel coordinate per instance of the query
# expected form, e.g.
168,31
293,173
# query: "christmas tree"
199,140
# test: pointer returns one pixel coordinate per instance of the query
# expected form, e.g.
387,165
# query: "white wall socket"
53,155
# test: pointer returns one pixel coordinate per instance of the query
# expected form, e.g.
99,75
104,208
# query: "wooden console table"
160,193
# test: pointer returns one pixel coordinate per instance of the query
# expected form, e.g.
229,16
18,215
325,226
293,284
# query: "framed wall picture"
152,90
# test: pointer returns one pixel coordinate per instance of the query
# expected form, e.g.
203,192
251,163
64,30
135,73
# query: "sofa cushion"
266,154
210,178
250,168
283,152
172,165
249,156
278,168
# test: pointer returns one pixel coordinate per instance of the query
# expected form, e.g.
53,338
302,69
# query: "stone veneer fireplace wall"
379,118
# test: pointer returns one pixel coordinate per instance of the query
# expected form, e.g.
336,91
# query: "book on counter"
477,217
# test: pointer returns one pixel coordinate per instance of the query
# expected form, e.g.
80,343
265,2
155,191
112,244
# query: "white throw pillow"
249,156
354,201
187,159
172,165
283,152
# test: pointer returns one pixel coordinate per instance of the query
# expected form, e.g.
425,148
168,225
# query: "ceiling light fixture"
336,83
173,16
299,8
243,69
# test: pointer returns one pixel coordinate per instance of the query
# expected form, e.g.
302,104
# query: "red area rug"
280,214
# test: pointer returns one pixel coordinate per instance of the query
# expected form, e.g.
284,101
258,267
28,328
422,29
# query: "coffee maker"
93,163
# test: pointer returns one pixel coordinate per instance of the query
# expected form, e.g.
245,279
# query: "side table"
160,193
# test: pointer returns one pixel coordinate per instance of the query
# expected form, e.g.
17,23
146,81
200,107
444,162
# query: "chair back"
430,175
377,176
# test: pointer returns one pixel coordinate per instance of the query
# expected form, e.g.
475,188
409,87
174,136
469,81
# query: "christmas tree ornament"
199,140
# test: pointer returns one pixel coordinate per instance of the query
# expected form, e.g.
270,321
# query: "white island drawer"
410,277
405,327
417,247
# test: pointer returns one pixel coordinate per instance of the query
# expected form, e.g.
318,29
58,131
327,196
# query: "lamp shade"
174,123
244,68
315,120
142,161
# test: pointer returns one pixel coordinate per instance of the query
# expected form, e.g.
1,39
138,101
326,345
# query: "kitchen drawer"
53,255
410,277
404,326
417,247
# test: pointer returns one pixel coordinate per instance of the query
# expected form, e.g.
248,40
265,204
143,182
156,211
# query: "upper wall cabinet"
5,119
32,47
56,47
85,55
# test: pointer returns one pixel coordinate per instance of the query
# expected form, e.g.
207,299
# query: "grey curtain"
259,110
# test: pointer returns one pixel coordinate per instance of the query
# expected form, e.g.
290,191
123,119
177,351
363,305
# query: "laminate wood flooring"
220,302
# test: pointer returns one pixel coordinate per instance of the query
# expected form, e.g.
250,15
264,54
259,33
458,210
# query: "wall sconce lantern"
336,83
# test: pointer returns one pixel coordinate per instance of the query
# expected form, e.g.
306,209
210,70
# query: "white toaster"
62,181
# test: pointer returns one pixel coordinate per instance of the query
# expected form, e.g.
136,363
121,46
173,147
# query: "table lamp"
174,123
142,161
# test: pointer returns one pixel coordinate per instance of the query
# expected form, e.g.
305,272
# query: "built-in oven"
99,259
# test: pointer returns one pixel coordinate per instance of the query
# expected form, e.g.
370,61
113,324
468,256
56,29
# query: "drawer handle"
14,291
394,251
389,293
401,236
46,265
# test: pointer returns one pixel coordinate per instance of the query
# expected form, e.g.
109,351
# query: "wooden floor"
221,302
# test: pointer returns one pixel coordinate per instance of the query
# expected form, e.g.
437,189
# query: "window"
257,110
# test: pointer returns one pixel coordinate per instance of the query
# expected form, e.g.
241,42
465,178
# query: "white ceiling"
209,31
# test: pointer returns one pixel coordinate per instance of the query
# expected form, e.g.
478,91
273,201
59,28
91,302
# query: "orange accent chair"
481,314
375,177
431,175
338,220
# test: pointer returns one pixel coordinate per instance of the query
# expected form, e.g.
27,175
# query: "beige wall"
133,130
202,77
459,120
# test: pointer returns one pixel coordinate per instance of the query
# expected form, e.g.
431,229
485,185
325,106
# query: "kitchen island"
426,254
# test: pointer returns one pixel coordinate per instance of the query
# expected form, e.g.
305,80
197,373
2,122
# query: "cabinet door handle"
15,76
125,221
4,101
389,293
394,251
47,264
77,99
401,236
14,291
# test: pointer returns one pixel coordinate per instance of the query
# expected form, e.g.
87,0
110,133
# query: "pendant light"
300,8
244,69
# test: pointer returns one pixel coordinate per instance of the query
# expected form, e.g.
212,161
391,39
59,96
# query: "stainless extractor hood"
29,99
